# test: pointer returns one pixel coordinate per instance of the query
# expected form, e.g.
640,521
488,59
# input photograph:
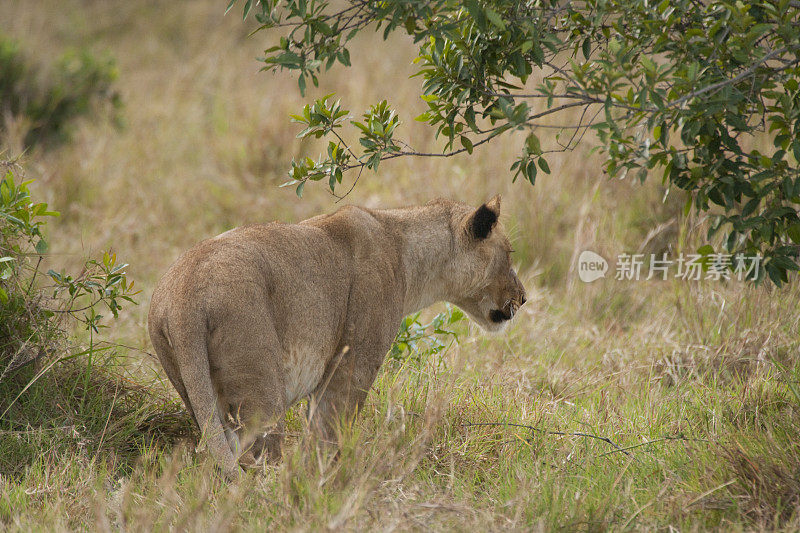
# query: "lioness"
251,321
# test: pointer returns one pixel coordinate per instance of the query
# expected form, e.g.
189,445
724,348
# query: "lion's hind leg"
245,358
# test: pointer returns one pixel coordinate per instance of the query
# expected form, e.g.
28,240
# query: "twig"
33,278
747,72
353,186
477,143
360,170
545,432
127,347
71,311
655,441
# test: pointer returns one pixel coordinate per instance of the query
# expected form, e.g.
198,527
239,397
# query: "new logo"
591,266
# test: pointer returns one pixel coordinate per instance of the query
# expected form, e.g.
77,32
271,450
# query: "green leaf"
526,46
587,47
544,166
706,249
538,54
495,18
467,144
794,232
41,247
476,12
750,206
469,117
533,145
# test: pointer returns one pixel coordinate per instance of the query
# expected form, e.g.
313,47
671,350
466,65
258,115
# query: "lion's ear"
494,204
483,220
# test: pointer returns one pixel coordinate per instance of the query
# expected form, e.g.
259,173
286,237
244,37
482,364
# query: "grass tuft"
623,405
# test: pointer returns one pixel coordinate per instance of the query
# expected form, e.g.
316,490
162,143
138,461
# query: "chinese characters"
716,266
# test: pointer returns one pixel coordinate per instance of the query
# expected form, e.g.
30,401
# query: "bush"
32,314
49,100
58,395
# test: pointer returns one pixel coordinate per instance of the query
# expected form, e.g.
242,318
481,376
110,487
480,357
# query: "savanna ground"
656,404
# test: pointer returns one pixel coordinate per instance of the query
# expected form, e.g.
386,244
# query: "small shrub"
31,313
57,394
48,100
417,341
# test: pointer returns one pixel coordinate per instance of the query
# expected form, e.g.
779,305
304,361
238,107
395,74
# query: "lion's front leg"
264,447
342,391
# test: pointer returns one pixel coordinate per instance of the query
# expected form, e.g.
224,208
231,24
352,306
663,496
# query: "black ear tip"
483,221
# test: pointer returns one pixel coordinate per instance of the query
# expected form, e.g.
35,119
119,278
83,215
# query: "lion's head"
482,266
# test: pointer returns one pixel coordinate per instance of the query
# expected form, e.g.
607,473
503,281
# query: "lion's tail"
190,363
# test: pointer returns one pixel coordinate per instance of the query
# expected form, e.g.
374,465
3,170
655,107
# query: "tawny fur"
251,321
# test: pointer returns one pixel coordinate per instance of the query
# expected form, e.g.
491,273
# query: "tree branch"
742,75
545,432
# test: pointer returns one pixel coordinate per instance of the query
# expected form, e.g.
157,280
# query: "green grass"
698,383
611,433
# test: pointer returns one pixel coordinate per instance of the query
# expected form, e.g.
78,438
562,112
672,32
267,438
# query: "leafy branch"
415,338
30,312
684,88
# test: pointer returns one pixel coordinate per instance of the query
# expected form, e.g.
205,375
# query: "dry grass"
698,382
